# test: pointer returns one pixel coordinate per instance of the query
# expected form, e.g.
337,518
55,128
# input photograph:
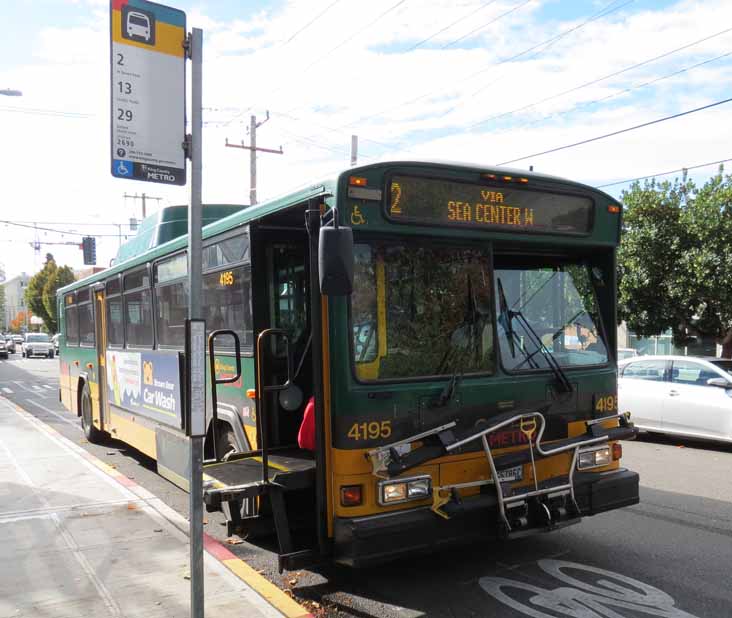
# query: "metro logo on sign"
148,91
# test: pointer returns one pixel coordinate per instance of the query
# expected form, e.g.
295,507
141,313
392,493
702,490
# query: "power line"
604,12
599,137
620,92
681,169
479,28
48,229
46,112
544,45
312,21
598,80
457,21
349,38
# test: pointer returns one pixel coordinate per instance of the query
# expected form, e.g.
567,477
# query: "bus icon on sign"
138,25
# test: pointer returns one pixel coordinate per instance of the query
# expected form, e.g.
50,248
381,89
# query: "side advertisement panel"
147,383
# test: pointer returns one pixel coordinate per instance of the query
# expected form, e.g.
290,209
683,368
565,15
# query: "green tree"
3,325
40,295
58,278
675,257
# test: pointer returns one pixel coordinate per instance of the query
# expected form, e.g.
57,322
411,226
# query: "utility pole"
143,197
253,126
354,150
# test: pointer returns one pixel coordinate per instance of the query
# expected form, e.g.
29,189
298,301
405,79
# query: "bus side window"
71,321
138,309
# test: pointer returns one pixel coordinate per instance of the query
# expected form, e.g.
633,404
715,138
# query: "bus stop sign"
148,62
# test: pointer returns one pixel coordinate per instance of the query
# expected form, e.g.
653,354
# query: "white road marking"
600,593
51,388
23,386
36,387
57,415
7,390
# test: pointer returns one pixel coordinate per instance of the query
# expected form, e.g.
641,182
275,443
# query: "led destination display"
428,200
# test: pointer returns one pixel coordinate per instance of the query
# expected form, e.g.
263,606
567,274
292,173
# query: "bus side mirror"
335,261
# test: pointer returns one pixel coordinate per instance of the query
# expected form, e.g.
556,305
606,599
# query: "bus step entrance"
254,506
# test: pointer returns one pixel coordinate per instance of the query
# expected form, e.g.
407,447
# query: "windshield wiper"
506,318
550,359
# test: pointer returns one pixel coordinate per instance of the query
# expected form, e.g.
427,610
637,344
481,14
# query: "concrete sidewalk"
75,541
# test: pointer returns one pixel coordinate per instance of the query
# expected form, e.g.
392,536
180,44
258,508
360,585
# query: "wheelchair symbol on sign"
357,217
122,169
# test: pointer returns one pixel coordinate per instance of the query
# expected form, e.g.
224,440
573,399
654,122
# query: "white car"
679,395
37,344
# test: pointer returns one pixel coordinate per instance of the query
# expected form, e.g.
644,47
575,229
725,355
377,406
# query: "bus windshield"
546,310
421,310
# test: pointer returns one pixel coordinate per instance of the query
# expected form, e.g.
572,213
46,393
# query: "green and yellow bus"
454,327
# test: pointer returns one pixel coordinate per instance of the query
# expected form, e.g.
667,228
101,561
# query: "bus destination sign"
148,91
490,207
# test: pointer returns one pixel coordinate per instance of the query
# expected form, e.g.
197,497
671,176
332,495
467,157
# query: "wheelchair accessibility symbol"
357,217
123,168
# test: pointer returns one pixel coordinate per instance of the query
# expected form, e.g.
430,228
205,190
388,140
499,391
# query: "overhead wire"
479,28
323,57
621,92
312,21
457,21
604,12
681,169
626,130
599,79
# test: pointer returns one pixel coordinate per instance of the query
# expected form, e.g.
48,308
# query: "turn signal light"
357,181
613,209
617,451
251,393
351,495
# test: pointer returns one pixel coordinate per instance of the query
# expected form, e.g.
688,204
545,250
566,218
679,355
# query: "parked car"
18,340
624,353
3,348
10,343
678,395
37,344
54,341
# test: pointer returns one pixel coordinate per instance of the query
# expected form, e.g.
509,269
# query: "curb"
217,551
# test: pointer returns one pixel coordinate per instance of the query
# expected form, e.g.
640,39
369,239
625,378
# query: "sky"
484,82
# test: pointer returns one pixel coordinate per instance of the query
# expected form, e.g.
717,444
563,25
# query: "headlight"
403,490
594,458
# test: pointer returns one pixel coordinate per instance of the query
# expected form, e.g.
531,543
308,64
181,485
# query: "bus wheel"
226,443
92,433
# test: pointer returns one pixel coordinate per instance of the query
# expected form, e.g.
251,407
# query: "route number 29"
608,403
370,431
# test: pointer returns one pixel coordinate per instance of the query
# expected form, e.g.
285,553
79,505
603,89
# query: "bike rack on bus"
383,458
216,381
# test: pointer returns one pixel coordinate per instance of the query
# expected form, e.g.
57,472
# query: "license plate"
511,474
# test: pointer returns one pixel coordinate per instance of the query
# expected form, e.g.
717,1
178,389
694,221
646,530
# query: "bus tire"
85,405
226,441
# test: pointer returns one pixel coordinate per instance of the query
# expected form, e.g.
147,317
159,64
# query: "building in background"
14,299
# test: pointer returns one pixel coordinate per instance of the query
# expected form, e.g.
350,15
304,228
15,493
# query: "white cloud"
423,103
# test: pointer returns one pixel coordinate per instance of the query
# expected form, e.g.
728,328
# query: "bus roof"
143,248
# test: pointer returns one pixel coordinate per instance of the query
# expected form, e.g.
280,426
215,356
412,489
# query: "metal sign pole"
197,389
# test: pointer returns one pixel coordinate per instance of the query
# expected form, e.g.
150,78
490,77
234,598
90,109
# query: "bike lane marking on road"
175,522
604,598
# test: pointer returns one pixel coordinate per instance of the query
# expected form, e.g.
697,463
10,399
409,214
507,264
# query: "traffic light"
89,247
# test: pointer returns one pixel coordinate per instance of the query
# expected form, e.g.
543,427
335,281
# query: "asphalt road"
670,556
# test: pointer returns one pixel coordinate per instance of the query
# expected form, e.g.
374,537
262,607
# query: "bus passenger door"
100,325
287,308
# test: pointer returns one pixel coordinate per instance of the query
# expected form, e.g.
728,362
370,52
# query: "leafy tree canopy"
41,291
675,258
